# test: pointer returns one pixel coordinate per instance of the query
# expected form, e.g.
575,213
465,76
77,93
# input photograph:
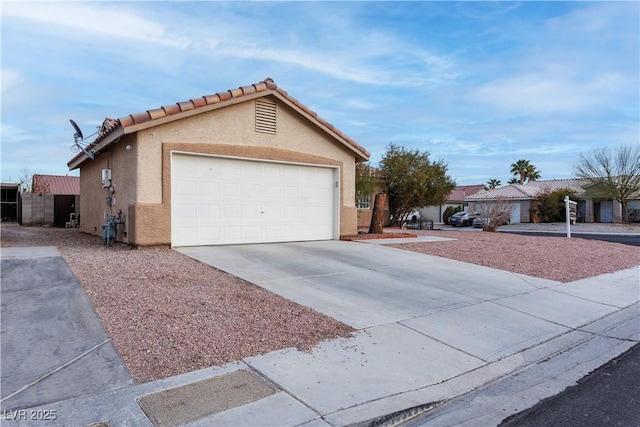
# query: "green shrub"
450,211
550,204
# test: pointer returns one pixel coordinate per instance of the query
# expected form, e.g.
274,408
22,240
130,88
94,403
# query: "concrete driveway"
430,328
365,285
53,345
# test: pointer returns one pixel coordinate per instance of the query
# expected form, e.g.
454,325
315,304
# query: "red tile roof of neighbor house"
460,192
55,184
110,126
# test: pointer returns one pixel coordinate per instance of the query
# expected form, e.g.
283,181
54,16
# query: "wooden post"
377,216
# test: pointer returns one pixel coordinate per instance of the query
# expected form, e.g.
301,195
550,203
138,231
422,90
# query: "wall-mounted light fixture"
129,147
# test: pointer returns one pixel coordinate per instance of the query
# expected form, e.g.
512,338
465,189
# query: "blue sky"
477,84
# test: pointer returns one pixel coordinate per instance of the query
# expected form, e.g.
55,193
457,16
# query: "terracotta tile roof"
109,126
55,184
528,191
460,192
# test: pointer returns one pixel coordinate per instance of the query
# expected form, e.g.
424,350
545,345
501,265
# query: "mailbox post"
570,213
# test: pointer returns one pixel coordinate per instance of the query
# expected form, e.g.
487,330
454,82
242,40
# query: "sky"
478,85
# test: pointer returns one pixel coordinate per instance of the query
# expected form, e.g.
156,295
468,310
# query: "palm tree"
492,184
520,168
513,181
532,174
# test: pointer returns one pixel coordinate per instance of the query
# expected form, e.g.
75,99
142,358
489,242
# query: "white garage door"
515,213
217,200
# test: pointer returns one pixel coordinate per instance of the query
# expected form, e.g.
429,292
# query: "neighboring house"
598,209
365,203
10,192
52,201
248,165
522,199
456,198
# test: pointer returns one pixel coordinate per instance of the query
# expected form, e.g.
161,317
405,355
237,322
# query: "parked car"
463,219
481,221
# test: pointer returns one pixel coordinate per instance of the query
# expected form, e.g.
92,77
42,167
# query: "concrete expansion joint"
58,369
582,298
448,345
278,386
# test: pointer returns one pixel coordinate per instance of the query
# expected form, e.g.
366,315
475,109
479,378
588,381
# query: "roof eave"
361,154
96,149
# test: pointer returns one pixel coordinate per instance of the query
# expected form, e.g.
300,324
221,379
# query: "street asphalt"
606,397
457,343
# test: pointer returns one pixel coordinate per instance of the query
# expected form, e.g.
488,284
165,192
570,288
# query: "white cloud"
11,133
101,19
533,93
10,79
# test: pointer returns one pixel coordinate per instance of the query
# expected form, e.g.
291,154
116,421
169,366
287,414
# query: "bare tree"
25,178
613,174
494,214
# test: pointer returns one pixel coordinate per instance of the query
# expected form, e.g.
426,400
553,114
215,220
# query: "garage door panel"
206,188
232,190
186,168
184,212
208,167
252,213
228,201
207,233
252,191
189,187
208,212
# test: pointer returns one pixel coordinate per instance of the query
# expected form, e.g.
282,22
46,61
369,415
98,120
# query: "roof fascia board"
96,149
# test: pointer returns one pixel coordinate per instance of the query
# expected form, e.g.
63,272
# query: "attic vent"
265,116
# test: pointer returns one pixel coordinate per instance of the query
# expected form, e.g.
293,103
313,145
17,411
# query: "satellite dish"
78,134
77,146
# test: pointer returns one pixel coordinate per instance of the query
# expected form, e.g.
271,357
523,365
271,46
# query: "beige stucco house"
249,165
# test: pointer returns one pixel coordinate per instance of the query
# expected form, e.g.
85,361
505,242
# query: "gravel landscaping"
168,314
555,258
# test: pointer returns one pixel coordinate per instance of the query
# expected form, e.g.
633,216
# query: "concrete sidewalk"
430,330
53,344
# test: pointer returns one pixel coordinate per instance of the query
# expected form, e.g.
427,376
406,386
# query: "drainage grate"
399,417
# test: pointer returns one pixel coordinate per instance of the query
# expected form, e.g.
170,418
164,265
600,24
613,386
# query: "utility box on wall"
106,178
